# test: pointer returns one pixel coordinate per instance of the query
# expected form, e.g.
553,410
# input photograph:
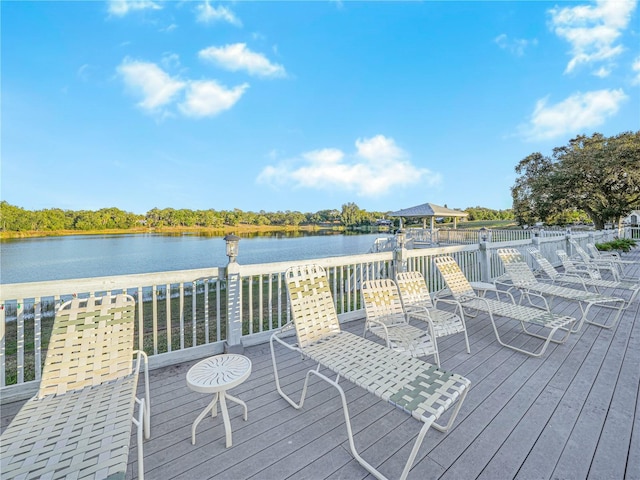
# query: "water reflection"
80,256
283,234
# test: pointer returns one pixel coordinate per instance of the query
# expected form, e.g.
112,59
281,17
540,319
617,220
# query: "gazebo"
431,211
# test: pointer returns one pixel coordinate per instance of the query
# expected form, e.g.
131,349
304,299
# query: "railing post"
400,253
234,298
484,257
535,241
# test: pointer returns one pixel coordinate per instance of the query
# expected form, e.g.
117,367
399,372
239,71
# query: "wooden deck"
572,414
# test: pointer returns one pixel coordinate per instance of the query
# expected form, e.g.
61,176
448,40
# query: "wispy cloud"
205,13
592,30
154,85
516,46
169,28
208,98
635,67
237,56
579,112
120,8
162,95
84,72
376,167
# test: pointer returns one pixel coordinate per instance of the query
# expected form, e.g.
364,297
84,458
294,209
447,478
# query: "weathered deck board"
571,414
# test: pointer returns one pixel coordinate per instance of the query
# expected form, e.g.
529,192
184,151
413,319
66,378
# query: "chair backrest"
570,267
382,301
413,289
91,343
580,251
545,264
595,253
453,276
312,308
516,267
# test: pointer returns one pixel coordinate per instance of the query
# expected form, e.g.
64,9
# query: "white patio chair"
614,257
579,280
410,384
386,318
581,269
602,265
523,280
467,298
417,300
79,423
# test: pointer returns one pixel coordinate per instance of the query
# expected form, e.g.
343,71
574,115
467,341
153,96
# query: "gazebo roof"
428,210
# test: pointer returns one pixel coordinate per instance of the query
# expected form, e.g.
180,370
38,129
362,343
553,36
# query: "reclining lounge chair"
414,386
581,256
614,257
522,279
417,301
467,298
387,319
581,281
79,423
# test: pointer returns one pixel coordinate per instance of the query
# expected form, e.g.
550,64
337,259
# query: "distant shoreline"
238,229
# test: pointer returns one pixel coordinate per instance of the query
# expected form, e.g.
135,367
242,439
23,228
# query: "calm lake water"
58,258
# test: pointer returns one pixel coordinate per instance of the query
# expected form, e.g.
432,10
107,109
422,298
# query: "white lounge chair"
387,319
606,265
522,279
467,298
581,269
79,423
614,257
581,281
417,300
410,384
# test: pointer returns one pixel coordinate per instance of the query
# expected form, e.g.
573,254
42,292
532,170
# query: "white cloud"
84,72
376,167
237,56
516,46
635,66
592,30
168,28
160,92
120,8
156,87
578,112
205,13
208,98
170,60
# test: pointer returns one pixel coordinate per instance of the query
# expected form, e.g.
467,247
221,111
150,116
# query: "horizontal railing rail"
181,312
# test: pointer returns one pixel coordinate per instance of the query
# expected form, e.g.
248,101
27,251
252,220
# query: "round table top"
218,373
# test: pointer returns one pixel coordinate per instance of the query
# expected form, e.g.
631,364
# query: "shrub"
621,244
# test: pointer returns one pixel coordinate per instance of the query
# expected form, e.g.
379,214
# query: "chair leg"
139,423
416,445
527,352
291,402
615,320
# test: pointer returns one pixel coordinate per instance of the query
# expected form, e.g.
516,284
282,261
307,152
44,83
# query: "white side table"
216,375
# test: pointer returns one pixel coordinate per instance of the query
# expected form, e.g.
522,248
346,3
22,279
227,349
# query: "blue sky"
302,105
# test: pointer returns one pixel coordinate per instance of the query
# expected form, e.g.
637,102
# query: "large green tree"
598,175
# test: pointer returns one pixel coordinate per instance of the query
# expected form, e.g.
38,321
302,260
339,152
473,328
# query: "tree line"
17,219
594,177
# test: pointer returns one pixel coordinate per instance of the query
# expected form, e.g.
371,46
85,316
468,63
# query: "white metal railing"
180,311
168,314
